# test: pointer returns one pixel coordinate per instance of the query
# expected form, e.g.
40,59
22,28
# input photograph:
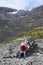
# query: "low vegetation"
36,33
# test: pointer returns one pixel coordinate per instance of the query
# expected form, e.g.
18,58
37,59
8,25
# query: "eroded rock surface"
7,58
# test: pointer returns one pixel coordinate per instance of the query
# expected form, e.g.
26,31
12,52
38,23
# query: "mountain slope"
5,9
13,24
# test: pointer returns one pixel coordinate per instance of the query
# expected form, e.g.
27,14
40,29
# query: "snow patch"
13,12
29,9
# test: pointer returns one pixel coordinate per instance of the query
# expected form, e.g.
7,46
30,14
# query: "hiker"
23,48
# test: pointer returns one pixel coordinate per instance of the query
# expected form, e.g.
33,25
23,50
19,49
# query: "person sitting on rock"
23,48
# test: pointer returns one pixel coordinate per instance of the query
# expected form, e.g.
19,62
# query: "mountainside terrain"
5,10
11,24
33,58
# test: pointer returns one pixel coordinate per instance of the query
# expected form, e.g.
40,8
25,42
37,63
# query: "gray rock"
8,59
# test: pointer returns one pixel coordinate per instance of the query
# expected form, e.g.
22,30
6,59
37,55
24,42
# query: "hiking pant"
23,53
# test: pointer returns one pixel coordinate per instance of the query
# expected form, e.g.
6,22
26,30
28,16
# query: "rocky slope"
5,9
11,24
35,58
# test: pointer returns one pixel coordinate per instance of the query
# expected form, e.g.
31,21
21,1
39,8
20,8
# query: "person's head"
22,43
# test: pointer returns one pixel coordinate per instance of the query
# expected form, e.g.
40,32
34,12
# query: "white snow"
13,12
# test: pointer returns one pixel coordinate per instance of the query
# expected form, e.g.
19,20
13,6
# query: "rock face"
12,24
5,9
7,58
